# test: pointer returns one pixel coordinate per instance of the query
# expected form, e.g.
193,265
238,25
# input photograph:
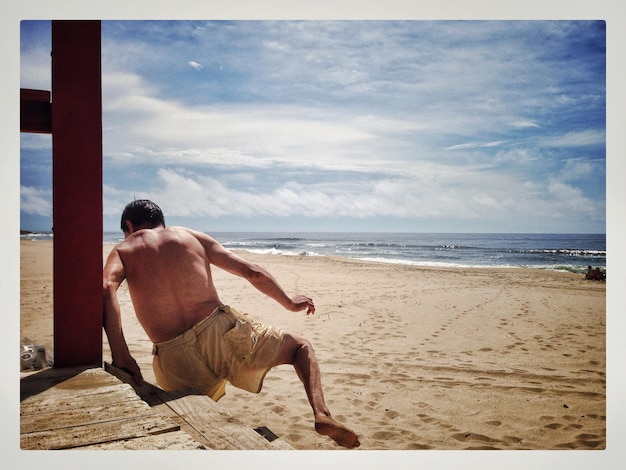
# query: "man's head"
142,213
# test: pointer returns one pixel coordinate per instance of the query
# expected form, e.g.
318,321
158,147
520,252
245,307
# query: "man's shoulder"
177,229
190,231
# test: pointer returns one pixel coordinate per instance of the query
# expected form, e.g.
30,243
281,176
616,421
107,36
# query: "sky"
376,125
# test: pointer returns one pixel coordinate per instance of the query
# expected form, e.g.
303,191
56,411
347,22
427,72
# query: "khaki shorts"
227,346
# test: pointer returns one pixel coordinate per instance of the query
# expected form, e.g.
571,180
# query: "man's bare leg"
299,352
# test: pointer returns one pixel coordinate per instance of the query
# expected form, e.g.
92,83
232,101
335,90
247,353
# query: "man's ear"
130,226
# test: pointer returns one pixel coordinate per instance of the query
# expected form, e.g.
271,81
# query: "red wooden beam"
35,111
77,192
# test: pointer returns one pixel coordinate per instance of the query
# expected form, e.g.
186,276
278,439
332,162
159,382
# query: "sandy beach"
411,357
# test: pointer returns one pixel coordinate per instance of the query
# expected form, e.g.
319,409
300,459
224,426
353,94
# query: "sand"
411,357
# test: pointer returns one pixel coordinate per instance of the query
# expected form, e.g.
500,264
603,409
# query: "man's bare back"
169,278
179,272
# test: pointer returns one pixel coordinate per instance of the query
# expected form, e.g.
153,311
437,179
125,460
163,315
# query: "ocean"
568,252
560,252
546,251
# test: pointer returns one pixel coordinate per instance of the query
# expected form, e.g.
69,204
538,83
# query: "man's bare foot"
327,426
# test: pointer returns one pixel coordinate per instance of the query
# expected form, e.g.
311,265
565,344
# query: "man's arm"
112,277
253,273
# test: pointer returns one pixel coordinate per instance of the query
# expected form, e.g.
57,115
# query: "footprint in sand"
573,426
470,436
588,441
512,440
416,446
391,414
553,426
278,409
383,435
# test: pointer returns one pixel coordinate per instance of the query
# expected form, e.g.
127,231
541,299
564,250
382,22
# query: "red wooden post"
77,192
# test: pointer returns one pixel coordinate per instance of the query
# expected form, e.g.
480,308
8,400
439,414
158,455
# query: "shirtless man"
199,342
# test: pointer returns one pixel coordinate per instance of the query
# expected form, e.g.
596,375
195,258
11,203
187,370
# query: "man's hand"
302,302
131,366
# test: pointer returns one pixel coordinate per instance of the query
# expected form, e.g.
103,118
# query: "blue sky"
422,126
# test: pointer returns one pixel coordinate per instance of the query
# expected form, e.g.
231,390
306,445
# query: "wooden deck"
96,408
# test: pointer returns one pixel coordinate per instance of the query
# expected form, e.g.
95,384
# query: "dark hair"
142,212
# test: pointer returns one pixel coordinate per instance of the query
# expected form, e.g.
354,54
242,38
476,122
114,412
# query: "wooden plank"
218,427
71,378
62,389
73,408
62,401
81,415
72,389
201,417
41,381
176,440
78,436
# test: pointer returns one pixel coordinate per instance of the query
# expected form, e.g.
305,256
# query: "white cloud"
411,196
36,142
35,201
524,124
473,145
578,169
577,139
517,156
276,45
36,66
157,131
569,201
195,65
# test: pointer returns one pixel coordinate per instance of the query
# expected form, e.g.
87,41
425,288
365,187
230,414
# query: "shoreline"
412,357
394,262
